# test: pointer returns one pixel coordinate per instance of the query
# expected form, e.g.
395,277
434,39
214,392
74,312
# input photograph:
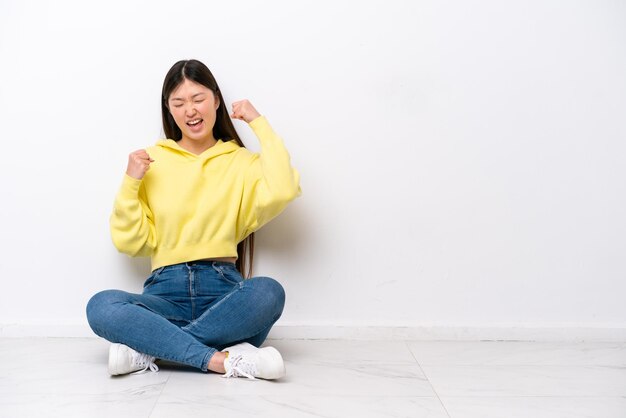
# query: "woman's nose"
190,109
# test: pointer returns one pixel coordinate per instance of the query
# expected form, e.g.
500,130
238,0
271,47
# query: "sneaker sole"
271,357
114,351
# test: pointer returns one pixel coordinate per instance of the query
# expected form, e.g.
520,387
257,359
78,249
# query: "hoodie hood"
220,148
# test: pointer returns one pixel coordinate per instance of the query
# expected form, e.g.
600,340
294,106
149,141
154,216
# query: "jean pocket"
153,277
228,273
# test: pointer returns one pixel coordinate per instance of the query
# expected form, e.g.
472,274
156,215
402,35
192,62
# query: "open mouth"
195,124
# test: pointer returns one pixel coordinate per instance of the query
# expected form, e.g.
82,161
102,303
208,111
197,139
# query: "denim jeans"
189,311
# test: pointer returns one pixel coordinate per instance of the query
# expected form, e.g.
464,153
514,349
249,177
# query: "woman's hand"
244,110
138,163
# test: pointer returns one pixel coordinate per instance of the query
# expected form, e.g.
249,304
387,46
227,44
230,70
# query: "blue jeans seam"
226,297
169,318
205,362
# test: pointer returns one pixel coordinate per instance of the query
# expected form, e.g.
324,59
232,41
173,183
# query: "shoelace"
145,361
240,367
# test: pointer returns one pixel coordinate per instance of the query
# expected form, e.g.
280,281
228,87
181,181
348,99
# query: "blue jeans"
189,311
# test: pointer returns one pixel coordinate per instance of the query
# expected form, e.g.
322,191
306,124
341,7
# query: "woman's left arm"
270,182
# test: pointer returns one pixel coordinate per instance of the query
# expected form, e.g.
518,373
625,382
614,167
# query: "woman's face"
193,107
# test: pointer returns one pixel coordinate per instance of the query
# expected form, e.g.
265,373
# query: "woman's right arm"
132,222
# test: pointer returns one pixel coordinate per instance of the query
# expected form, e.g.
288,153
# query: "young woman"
192,203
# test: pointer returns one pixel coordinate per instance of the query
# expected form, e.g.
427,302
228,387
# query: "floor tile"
568,381
52,366
536,407
343,351
68,405
235,406
519,353
312,379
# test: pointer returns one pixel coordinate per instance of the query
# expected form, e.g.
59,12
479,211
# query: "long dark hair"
223,129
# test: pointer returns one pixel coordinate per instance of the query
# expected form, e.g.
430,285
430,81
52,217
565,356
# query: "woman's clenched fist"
244,110
138,163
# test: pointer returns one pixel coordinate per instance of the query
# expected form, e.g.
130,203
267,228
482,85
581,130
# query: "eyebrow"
180,98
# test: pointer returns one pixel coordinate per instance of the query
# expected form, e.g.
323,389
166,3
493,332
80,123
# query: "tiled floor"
48,377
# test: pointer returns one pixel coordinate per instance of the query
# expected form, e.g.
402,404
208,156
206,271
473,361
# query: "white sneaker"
245,360
123,360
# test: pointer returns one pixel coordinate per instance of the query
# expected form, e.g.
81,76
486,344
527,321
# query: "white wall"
462,162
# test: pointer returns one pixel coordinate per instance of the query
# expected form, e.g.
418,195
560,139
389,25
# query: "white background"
462,162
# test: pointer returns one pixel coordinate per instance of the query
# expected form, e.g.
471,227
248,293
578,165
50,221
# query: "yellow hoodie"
189,207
